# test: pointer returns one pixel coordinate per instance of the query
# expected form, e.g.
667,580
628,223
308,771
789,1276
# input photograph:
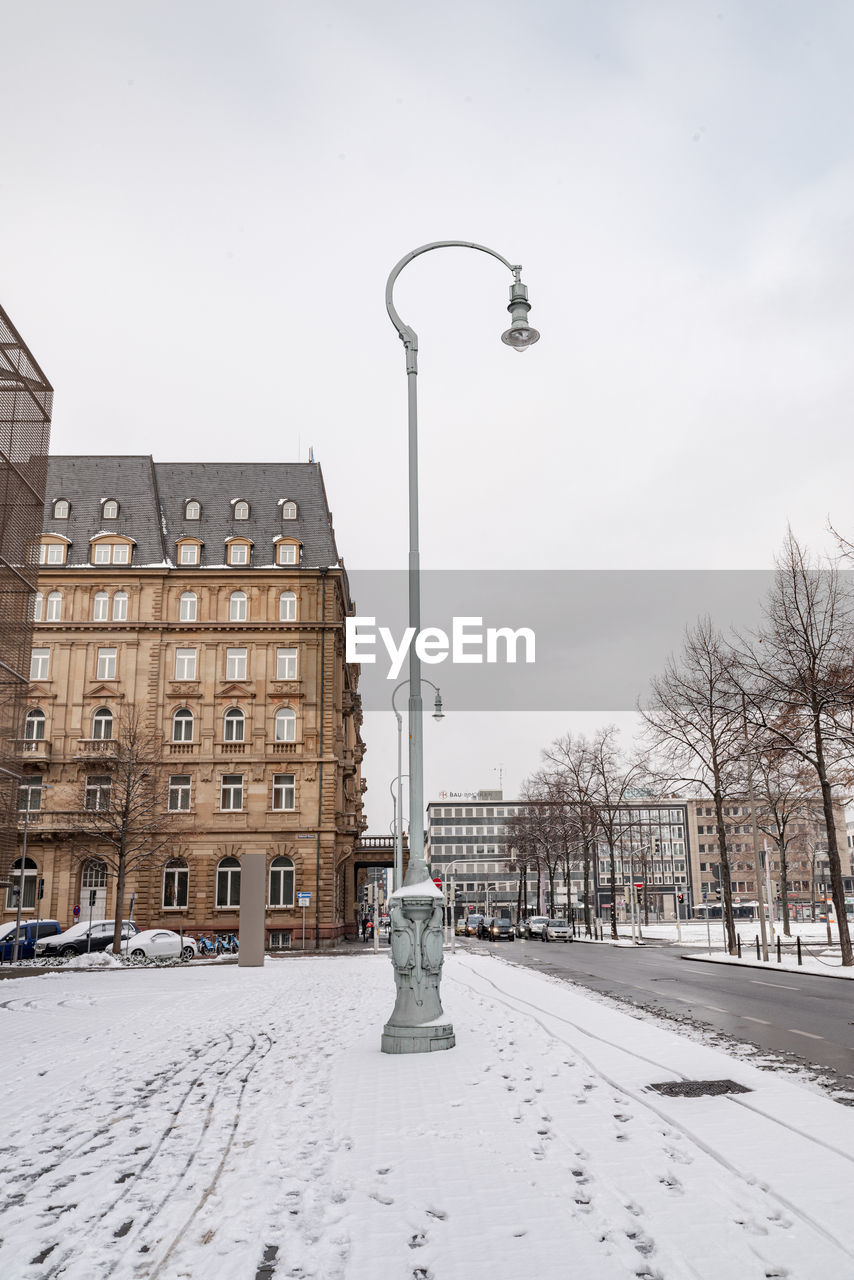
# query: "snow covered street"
226,1124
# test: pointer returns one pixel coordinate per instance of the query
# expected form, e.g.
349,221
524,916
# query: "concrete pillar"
253,902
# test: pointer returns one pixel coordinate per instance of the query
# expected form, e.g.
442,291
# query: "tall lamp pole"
438,714
416,912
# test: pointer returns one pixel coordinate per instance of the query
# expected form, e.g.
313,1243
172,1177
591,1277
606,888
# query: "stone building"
210,598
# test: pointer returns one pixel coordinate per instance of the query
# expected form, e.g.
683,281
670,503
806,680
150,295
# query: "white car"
556,931
160,944
535,926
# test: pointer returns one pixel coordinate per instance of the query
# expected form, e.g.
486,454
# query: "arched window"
101,606
281,883
286,725
188,607
110,509
241,510
289,511
30,877
102,724
192,510
38,605
176,881
34,726
120,606
287,607
237,607
228,883
182,725
53,613
61,509
233,723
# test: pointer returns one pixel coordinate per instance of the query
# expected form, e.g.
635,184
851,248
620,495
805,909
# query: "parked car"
502,928
73,941
472,924
31,931
557,931
159,944
535,925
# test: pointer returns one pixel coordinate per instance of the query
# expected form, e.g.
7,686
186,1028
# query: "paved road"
799,1016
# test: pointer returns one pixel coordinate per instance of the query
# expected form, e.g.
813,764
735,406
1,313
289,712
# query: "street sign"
303,899
76,911
437,880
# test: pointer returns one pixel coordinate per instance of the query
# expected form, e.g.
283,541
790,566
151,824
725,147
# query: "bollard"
738,940
757,946
779,953
800,961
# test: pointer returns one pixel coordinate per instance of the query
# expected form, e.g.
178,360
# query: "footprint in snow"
418,1240
437,1213
672,1183
381,1199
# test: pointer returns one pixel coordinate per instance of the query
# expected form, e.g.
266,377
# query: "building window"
231,792
110,553
179,793
176,882
188,553
289,511
286,725
235,664
100,607
34,726
121,553
39,664
120,606
192,510
106,664
286,553
286,664
61,509
185,664
228,883
30,794
233,723
238,553
96,795
110,509
281,883
188,607
54,607
102,724
28,901
52,553
38,602
287,607
284,791
241,510
237,607
182,726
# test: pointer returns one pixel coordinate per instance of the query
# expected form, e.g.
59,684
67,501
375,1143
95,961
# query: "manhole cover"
697,1088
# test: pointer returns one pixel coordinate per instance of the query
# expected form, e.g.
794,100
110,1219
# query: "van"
30,931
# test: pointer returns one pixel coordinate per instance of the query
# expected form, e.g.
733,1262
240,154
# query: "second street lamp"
416,1024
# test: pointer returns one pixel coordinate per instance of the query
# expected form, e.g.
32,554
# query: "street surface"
804,1017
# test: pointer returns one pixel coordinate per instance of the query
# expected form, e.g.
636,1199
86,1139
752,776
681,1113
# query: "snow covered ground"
194,1122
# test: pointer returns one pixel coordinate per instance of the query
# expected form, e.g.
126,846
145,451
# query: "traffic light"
682,897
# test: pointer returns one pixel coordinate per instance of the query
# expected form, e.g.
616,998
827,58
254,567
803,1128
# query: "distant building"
211,596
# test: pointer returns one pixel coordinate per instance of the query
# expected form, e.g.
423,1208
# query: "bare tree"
571,770
800,685
694,722
127,822
782,784
613,778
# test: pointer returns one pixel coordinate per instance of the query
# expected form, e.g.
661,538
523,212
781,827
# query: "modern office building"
210,599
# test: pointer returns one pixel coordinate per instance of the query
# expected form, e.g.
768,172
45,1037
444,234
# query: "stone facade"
237,664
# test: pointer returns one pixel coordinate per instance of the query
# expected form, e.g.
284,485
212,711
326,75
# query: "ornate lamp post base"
417,1023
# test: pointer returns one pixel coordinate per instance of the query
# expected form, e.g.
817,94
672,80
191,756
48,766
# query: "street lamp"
22,877
438,714
415,1025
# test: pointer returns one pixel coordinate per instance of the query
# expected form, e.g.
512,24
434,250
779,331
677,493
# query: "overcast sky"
200,205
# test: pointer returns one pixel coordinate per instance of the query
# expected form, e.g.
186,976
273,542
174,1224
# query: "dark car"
502,928
484,929
74,941
30,932
473,924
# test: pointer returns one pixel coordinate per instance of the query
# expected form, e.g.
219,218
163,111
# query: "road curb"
771,966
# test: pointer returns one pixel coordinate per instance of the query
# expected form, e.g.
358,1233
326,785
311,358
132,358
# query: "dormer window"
107,549
192,510
289,510
287,551
110,509
238,551
53,550
241,510
61,509
189,551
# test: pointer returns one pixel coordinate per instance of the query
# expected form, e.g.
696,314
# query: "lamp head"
438,713
520,335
